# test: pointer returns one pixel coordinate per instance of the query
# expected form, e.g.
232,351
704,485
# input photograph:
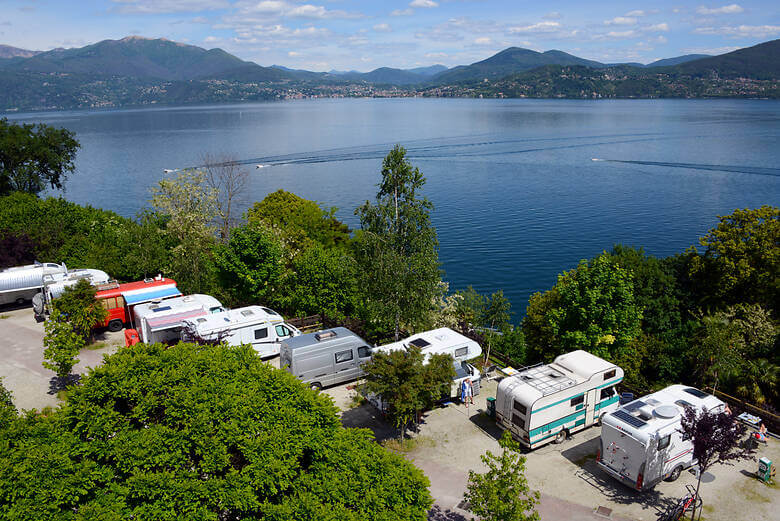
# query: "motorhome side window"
578,400
364,352
282,331
607,392
519,407
518,420
261,333
461,351
664,442
343,356
610,374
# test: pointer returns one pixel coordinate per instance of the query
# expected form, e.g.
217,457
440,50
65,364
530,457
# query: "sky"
325,35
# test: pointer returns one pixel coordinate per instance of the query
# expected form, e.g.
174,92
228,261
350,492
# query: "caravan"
263,328
161,321
547,402
640,442
22,283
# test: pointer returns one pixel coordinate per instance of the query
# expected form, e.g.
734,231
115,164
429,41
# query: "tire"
674,475
315,386
560,437
115,325
600,419
20,301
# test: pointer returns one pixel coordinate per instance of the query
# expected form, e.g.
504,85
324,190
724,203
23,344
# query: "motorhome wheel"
20,301
315,386
115,325
560,437
600,419
674,475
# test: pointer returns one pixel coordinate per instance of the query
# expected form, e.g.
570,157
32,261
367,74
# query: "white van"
547,402
263,328
161,321
640,443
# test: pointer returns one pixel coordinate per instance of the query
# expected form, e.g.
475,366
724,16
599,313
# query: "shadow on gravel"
57,384
437,514
584,456
486,424
368,417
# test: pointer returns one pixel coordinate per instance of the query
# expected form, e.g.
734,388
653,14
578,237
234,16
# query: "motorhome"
547,402
21,283
444,341
325,358
262,328
119,300
640,442
55,284
161,321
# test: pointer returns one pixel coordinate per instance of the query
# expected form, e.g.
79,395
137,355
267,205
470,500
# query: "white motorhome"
262,327
22,283
547,402
640,443
444,341
161,321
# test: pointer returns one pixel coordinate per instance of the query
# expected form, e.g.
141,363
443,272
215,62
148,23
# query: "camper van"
547,402
640,443
443,341
161,321
325,358
22,283
261,327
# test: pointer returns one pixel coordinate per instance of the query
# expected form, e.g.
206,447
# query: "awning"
138,296
174,320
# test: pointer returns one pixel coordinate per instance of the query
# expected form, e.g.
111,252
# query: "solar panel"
419,342
636,404
631,420
697,393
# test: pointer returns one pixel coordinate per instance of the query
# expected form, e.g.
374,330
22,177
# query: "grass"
408,444
102,344
357,401
4,316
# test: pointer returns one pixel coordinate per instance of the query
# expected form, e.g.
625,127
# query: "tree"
16,249
502,493
34,156
397,247
228,180
77,305
495,316
715,437
407,384
63,344
200,433
470,308
249,265
7,408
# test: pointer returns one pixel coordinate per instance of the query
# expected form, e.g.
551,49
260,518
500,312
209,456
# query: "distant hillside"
761,61
134,57
431,70
6,51
677,60
511,61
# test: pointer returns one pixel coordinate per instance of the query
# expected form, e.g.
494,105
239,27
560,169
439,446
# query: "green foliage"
470,307
199,433
511,342
299,221
320,281
405,384
249,265
591,308
77,305
62,344
34,156
502,493
7,408
397,247
16,249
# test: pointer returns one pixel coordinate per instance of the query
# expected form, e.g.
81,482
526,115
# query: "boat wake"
742,169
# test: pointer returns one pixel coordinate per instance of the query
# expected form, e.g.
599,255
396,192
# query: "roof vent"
324,335
666,411
646,412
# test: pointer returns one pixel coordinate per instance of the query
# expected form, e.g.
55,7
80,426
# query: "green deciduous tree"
34,156
405,384
77,305
495,317
502,493
200,433
397,247
62,345
7,408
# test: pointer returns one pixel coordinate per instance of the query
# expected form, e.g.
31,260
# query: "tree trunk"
696,499
397,324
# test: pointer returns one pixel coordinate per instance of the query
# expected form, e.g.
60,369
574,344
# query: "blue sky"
363,35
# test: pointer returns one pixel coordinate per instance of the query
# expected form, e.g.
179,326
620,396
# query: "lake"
518,196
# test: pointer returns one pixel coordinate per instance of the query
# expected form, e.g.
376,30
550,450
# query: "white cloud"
637,12
621,34
662,27
621,20
169,6
708,50
484,40
436,55
210,39
383,28
555,15
741,31
726,9
541,27
293,54
423,3
402,12
283,9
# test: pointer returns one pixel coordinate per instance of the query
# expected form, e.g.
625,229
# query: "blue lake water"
518,196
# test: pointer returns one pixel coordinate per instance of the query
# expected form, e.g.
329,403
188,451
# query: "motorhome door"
590,406
346,364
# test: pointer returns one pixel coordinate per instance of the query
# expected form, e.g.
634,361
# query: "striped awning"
138,296
173,320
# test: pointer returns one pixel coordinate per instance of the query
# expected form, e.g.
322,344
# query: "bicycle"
683,505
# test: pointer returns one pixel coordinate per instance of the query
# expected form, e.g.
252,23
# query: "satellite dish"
666,411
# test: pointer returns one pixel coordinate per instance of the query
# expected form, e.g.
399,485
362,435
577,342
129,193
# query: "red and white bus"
120,299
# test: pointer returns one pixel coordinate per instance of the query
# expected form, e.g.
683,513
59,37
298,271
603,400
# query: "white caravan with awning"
162,321
547,402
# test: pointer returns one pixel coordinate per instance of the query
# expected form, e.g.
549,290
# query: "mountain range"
114,72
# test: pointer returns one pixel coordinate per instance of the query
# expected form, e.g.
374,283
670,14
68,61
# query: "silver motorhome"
262,328
55,284
640,442
325,358
21,283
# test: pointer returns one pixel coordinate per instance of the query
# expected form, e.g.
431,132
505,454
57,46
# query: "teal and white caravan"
547,402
